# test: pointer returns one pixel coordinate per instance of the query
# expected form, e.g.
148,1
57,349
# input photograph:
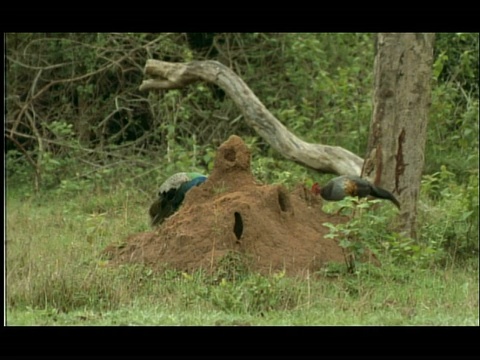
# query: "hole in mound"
283,200
238,227
230,155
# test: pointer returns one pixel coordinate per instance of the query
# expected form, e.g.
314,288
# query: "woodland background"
85,151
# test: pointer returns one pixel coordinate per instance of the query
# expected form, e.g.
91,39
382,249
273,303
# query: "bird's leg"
354,210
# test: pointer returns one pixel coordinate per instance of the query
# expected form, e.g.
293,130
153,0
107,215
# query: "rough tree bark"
323,158
395,152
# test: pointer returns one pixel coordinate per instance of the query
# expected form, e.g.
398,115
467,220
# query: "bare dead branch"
324,158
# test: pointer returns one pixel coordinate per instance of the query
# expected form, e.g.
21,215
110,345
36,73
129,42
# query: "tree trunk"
323,158
395,153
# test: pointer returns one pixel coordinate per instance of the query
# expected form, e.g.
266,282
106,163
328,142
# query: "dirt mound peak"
232,213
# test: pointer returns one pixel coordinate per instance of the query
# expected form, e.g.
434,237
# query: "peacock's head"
316,189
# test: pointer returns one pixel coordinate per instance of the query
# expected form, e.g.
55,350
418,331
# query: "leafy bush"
453,127
372,230
457,60
452,220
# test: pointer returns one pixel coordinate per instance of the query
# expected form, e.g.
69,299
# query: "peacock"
171,195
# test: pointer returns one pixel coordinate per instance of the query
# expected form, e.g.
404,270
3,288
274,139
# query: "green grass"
55,276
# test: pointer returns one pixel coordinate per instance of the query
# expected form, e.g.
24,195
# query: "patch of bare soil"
273,228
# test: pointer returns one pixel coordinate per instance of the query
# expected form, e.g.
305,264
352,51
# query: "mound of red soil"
231,212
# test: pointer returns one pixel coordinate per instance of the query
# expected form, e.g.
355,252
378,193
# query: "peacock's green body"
171,195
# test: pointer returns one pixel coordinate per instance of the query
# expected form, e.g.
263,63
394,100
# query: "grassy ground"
55,276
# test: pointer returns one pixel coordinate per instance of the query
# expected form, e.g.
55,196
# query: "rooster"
348,185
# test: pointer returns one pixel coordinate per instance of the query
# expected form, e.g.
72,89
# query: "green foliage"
272,170
372,231
327,88
453,221
453,128
405,250
232,267
18,171
61,129
457,60
355,235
